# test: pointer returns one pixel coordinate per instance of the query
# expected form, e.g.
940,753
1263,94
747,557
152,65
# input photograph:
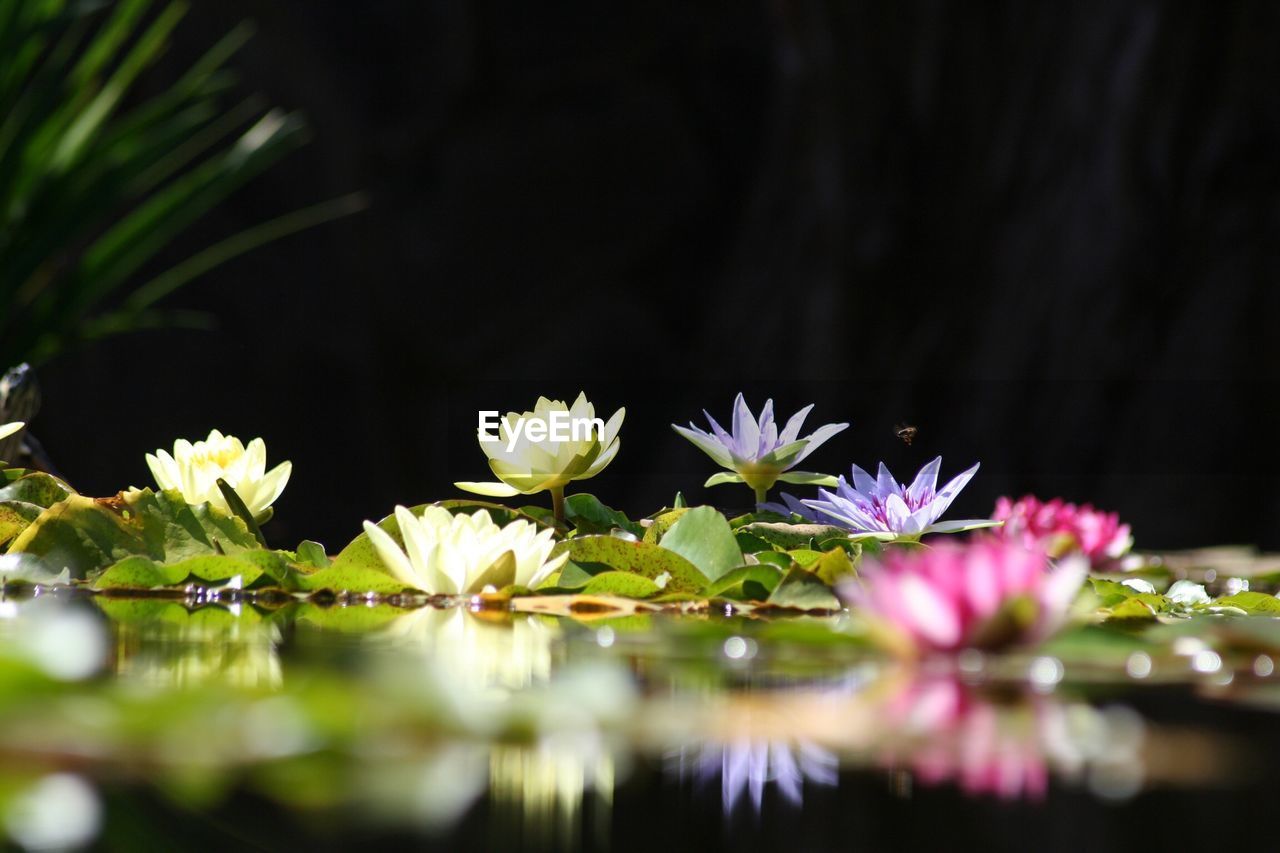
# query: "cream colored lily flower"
194,470
447,554
7,430
526,466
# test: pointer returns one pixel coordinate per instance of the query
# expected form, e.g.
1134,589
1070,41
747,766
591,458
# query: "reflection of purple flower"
749,765
882,504
757,452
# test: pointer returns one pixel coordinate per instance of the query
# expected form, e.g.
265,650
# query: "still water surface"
149,724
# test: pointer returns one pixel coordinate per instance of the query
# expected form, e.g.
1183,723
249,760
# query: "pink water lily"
985,593
1061,528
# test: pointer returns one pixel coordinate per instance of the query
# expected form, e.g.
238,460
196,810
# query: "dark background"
1046,234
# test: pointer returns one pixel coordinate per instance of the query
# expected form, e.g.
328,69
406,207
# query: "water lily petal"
792,430
391,555
706,444
495,490
922,488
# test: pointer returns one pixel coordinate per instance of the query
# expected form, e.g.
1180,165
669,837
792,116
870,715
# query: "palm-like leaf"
91,191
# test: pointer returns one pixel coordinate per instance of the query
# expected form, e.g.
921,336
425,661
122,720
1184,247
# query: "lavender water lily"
756,452
881,504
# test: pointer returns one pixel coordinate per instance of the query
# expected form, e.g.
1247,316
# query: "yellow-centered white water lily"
528,461
447,554
195,468
7,430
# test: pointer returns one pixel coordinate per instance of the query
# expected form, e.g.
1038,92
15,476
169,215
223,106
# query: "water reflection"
1008,744
418,718
163,644
484,650
745,768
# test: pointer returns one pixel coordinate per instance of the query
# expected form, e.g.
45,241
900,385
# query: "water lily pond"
815,673
206,720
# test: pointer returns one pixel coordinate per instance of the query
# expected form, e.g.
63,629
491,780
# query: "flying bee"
906,432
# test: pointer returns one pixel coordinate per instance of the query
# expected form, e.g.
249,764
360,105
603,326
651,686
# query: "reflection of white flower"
194,470
749,765
481,654
536,465
447,554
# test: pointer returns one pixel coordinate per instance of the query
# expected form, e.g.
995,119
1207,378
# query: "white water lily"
447,554
527,465
194,470
1188,593
7,430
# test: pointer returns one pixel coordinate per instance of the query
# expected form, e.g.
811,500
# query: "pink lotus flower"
986,593
1060,528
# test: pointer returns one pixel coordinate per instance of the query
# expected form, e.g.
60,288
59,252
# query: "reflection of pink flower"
1059,528
956,736
988,592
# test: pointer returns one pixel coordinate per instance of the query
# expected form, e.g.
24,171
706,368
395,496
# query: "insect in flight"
906,432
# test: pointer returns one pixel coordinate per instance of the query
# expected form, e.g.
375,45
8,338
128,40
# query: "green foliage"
746,583
703,537
588,515
625,584
804,590
84,535
97,180
641,558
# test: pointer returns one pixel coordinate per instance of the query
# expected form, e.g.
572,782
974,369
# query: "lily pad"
703,537
625,584
85,534
747,583
641,558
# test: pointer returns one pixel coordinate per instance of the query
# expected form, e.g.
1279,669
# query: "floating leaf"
32,487
703,537
804,590
625,584
350,578
1251,602
139,573
84,534
640,558
589,515
746,583
661,524
832,566
791,536
313,554
15,517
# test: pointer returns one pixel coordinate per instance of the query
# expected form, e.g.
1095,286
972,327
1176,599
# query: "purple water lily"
881,504
757,452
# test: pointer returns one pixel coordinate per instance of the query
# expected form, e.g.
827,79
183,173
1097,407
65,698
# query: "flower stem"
557,503
761,494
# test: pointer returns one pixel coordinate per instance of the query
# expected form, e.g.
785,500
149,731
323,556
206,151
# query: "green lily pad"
623,584
804,590
746,583
587,514
83,534
703,537
639,558
1251,602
